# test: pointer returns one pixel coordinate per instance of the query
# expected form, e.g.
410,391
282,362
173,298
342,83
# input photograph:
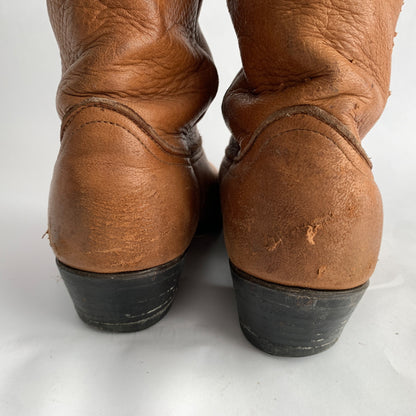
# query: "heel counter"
302,208
118,201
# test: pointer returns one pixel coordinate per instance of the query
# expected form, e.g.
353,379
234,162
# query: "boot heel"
290,321
122,302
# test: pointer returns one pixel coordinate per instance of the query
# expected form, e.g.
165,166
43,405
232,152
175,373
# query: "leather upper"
131,180
122,199
300,205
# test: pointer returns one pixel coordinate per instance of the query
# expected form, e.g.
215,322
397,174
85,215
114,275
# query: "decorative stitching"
116,107
321,115
318,133
194,158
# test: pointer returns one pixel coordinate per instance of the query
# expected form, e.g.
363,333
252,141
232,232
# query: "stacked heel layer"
123,302
290,321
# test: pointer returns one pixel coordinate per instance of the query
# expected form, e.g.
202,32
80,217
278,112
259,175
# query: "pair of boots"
301,212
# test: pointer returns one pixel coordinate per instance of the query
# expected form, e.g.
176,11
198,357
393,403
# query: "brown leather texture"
147,54
131,179
300,205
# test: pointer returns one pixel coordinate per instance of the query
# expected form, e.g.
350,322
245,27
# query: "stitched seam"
235,162
73,112
128,131
303,110
76,112
354,143
320,134
73,115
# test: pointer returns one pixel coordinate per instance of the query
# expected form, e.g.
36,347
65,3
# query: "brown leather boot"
131,181
302,214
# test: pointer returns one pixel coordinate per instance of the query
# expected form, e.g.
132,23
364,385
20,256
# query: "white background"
195,361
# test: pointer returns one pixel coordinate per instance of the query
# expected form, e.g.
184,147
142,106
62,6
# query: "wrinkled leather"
300,205
131,179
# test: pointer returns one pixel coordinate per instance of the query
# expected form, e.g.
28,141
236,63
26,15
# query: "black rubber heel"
290,321
122,302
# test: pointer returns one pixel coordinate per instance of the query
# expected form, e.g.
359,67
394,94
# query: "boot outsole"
290,321
123,302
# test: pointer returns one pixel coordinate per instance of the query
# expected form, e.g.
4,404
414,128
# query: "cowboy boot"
302,214
131,181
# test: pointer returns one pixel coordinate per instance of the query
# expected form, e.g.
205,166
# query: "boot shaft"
148,55
335,55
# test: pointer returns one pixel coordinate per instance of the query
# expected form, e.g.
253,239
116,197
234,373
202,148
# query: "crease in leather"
148,54
335,55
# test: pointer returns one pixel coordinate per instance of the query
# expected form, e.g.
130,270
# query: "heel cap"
122,302
290,321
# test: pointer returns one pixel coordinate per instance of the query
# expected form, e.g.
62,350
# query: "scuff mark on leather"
311,232
272,244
